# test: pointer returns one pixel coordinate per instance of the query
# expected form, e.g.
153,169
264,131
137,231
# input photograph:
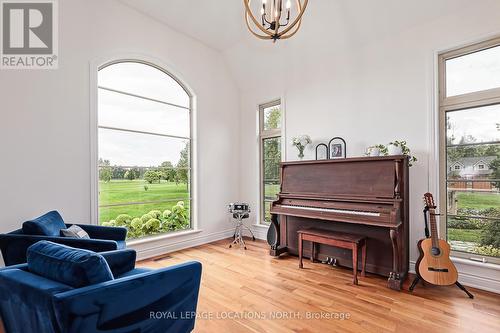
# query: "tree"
132,174
182,174
118,172
495,166
105,172
273,118
152,176
167,171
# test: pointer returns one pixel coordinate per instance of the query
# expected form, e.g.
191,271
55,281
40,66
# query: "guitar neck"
434,231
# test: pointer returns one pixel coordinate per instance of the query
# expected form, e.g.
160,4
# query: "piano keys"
366,196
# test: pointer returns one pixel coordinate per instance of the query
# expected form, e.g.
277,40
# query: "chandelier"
274,20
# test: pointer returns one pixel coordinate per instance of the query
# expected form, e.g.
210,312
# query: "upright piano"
363,195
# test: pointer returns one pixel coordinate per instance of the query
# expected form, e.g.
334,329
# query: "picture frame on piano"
322,152
337,148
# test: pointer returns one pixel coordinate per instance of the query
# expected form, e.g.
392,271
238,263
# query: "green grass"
125,191
478,200
464,235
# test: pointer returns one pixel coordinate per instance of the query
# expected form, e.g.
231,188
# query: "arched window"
144,139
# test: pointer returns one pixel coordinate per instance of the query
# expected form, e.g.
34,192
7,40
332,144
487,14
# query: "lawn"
464,235
478,200
127,191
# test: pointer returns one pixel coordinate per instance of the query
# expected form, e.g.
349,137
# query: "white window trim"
259,217
94,67
441,104
471,273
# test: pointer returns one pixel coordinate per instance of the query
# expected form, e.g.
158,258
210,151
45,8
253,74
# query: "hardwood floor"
241,290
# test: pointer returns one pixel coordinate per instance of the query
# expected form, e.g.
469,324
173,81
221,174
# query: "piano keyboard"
333,210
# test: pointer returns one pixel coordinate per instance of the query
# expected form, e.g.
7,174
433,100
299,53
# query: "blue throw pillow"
74,267
49,224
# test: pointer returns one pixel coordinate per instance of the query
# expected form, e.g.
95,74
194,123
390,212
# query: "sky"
133,113
477,122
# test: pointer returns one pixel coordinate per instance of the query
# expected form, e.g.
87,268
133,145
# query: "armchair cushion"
75,232
49,224
74,267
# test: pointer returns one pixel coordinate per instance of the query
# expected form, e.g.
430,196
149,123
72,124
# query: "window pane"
148,219
127,112
473,125
272,157
272,117
473,72
143,80
141,150
271,153
473,180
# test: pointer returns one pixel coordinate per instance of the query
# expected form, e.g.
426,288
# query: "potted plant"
377,150
400,148
300,142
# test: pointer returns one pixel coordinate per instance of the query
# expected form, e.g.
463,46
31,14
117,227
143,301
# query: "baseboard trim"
472,280
260,232
144,252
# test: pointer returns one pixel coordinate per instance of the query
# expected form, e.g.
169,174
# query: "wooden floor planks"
251,287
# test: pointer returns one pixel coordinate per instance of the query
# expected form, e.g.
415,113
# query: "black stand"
458,284
418,277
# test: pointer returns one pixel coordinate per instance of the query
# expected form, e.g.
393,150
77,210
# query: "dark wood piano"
365,195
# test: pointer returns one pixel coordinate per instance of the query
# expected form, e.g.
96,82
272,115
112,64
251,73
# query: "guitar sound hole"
436,251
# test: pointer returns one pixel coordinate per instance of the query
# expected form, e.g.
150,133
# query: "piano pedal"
330,261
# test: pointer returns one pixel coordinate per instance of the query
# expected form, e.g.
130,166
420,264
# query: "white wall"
370,87
44,126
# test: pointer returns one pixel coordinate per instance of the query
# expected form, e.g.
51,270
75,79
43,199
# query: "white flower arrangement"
300,142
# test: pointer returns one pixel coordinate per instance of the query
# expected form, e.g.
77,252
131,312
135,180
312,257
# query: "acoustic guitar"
434,264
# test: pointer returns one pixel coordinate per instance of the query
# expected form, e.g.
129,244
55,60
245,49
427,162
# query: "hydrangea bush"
154,222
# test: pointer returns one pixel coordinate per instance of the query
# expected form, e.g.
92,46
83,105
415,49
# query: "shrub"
123,220
146,217
152,226
491,235
466,223
488,250
136,223
153,222
155,213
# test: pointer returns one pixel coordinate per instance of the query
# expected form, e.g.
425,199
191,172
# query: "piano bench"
338,239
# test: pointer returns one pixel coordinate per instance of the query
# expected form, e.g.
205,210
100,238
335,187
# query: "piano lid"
350,177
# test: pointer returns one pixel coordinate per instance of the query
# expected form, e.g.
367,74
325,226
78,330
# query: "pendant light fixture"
275,21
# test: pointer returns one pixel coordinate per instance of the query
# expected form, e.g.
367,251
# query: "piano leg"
275,235
396,277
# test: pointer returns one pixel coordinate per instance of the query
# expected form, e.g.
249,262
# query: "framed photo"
337,148
322,152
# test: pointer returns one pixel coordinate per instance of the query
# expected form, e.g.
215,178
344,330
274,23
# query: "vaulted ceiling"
220,25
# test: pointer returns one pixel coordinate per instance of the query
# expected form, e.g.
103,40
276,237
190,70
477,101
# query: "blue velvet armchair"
131,300
47,227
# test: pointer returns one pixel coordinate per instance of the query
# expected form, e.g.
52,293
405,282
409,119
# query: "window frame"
267,134
96,66
456,103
